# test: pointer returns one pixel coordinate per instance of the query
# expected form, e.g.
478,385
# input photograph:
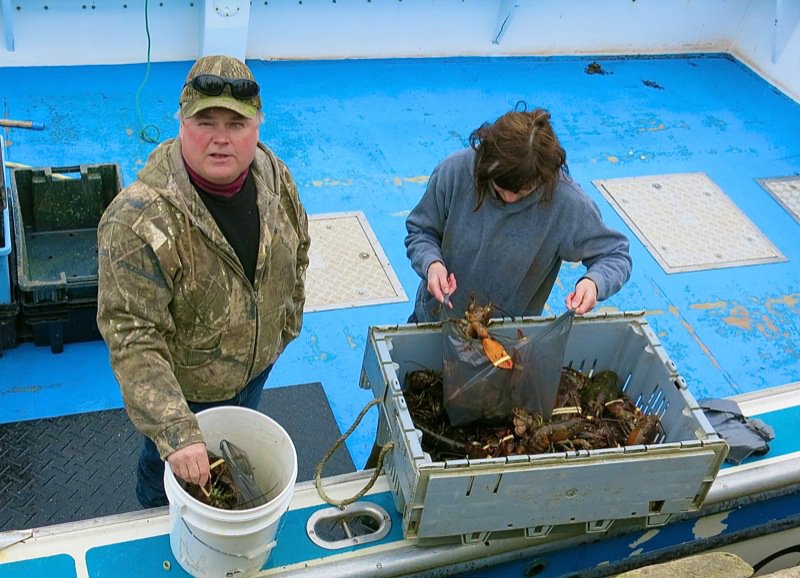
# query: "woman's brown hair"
517,151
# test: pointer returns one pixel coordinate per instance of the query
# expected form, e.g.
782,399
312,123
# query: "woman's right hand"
441,284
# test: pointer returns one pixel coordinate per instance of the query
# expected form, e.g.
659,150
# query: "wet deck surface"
365,135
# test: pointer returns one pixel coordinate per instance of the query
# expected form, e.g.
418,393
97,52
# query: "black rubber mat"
83,466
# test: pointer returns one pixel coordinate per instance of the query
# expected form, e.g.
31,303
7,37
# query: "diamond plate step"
83,466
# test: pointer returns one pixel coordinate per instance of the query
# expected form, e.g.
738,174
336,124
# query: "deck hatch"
687,222
347,265
786,191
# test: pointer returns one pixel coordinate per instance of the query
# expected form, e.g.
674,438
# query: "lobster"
477,317
553,434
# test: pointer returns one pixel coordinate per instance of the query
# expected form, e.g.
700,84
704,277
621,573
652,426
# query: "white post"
225,27
787,19
5,12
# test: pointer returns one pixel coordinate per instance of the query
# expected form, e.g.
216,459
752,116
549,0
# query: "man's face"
219,144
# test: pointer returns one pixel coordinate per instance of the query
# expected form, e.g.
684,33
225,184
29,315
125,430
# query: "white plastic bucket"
212,542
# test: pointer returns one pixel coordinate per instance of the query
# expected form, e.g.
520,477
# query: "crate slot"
598,526
537,531
476,538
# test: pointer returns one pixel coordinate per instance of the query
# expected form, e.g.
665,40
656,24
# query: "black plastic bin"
8,326
55,325
56,211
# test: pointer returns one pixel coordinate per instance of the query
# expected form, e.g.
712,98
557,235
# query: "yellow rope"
13,165
318,478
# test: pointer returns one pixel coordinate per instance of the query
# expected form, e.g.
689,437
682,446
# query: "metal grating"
687,222
347,265
785,190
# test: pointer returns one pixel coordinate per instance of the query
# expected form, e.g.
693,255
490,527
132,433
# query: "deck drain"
359,523
786,191
347,265
687,222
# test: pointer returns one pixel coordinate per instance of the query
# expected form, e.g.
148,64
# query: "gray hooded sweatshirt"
508,254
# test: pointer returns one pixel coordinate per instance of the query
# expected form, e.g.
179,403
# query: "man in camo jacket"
202,264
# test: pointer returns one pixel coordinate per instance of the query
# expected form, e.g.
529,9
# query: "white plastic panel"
687,222
786,191
347,265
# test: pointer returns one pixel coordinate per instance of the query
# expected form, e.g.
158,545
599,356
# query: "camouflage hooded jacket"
181,319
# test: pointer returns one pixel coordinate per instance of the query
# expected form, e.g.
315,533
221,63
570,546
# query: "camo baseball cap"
193,101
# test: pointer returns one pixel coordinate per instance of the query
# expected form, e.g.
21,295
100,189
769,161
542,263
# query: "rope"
384,450
143,133
13,165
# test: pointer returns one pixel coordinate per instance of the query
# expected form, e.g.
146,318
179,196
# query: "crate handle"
67,169
79,279
318,475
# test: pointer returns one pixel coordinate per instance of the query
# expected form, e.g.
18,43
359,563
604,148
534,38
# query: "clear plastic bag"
537,367
477,390
474,389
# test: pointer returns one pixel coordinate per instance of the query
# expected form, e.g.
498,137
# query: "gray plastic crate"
532,494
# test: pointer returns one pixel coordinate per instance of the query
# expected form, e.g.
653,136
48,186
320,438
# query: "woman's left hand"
584,298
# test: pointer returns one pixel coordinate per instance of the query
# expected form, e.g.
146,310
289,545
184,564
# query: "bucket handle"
249,556
379,466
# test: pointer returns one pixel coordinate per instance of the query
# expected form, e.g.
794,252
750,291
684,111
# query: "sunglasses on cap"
213,85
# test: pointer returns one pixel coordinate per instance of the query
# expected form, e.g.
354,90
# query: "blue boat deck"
363,135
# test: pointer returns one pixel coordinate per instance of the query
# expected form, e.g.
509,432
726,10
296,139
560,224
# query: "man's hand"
441,284
584,298
191,464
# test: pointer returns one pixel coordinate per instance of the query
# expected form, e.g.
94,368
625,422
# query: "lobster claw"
496,353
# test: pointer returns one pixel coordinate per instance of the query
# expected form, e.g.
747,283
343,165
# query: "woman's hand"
441,284
584,298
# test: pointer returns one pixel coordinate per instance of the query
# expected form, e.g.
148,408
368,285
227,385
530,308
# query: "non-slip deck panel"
786,191
83,466
348,267
688,223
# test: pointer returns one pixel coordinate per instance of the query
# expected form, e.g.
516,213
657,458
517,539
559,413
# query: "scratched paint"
710,526
354,342
318,354
704,306
332,183
400,181
644,538
690,330
653,128
769,319
738,316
